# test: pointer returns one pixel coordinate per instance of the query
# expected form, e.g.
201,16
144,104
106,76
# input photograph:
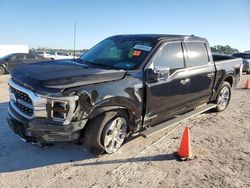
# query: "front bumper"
42,129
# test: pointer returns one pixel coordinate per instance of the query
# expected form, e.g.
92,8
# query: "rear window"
197,54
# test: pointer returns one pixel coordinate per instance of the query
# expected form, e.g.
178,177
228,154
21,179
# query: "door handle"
184,81
210,74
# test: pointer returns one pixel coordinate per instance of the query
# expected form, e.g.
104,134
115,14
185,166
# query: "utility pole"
74,40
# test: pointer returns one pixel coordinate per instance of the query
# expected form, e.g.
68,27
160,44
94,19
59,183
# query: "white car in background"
59,55
44,54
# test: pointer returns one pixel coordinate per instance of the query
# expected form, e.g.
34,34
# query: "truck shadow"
163,157
16,155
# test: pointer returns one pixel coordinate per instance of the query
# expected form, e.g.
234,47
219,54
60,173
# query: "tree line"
58,50
224,49
215,49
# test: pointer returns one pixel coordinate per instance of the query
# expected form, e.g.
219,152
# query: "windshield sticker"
142,47
136,53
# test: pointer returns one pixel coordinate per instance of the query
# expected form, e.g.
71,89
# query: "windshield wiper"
81,61
101,65
93,64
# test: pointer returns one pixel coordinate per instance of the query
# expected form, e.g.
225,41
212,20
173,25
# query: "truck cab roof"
160,37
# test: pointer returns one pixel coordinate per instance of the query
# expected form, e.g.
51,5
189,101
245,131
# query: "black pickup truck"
124,84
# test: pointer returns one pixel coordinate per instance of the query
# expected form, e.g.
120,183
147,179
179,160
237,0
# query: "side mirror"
157,74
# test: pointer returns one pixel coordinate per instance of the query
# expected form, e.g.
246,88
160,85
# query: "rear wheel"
223,97
107,132
2,70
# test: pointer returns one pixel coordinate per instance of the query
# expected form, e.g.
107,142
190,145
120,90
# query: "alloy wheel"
115,134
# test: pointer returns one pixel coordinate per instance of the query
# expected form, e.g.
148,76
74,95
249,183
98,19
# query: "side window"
197,54
39,57
12,58
30,56
19,57
171,55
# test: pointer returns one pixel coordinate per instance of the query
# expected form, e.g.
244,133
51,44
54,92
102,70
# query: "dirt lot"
220,144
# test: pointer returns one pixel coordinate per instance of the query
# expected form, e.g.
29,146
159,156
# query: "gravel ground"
220,145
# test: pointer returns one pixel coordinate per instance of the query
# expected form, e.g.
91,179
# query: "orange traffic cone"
185,147
247,86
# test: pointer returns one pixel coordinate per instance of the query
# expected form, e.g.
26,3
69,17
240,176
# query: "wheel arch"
227,78
102,110
4,66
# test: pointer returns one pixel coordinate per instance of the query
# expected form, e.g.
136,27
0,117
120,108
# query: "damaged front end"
37,118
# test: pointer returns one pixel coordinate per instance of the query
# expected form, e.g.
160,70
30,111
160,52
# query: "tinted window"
19,56
15,57
39,57
171,55
30,56
197,54
11,58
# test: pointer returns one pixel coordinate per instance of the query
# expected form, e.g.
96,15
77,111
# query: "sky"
50,23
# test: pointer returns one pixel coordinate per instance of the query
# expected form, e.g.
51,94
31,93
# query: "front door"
14,61
166,98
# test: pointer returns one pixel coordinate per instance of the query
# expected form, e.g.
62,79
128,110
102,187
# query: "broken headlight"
59,110
62,109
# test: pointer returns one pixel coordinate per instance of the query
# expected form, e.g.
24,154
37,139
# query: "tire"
2,70
107,132
223,97
248,72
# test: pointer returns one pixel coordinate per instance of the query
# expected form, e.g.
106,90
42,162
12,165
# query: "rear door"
166,98
202,73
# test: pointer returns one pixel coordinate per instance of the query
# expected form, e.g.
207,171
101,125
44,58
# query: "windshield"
52,53
119,53
6,56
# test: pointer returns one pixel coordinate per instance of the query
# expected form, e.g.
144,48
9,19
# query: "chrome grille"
32,105
21,95
22,101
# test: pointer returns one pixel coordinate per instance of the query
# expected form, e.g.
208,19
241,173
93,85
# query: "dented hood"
62,74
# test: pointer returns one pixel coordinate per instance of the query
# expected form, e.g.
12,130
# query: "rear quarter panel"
227,69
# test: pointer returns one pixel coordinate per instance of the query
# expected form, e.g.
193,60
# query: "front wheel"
107,132
114,134
223,97
2,70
